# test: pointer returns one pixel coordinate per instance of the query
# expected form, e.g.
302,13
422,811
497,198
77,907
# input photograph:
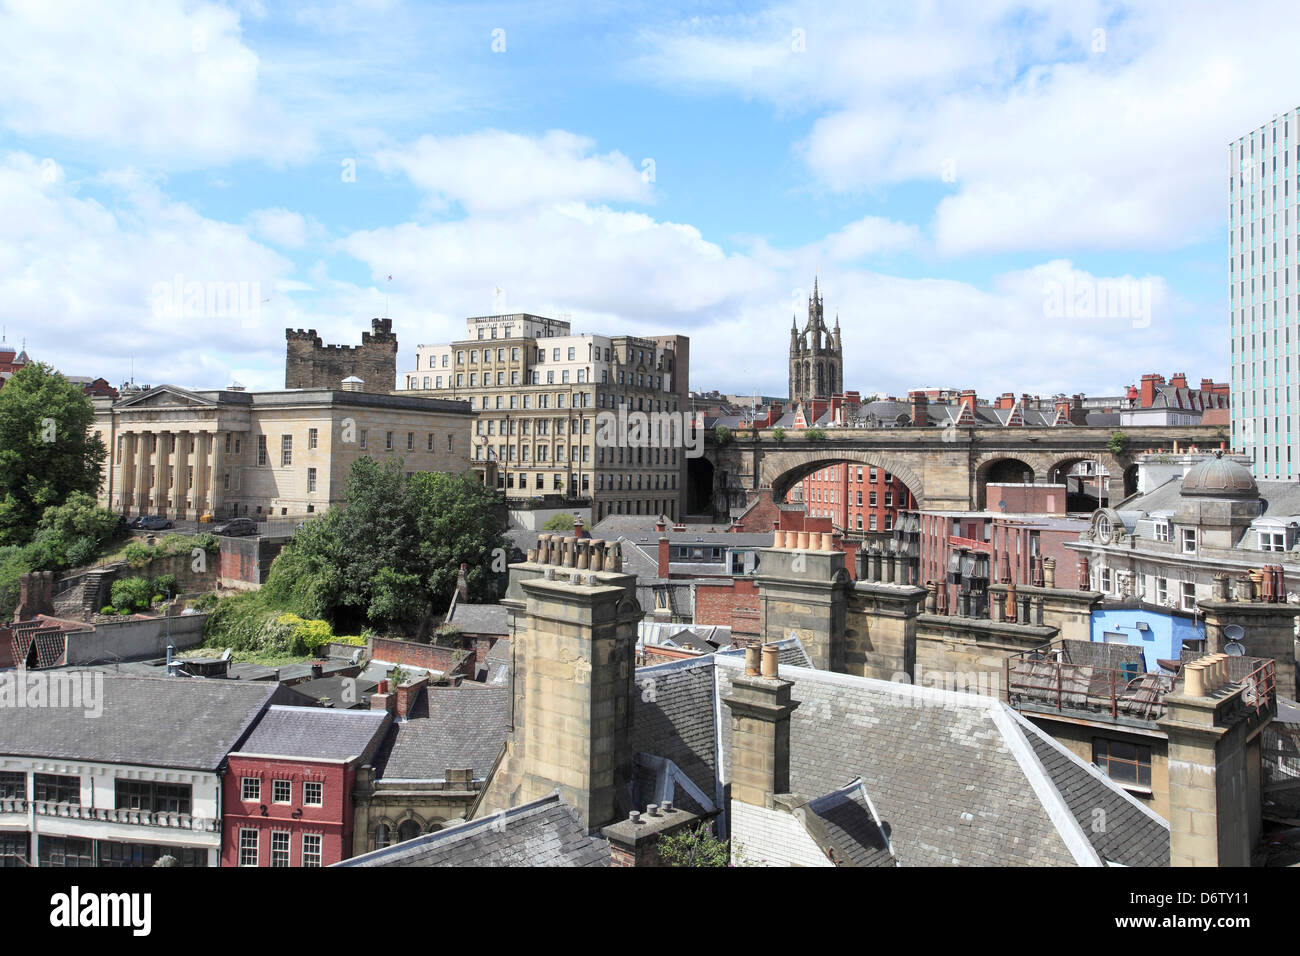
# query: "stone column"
161,486
203,445
217,460
126,487
181,490
142,472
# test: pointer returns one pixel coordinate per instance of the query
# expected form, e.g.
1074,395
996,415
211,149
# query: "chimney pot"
770,667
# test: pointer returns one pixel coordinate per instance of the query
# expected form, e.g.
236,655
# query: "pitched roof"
146,721
320,733
464,729
480,618
844,823
546,832
956,777
675,718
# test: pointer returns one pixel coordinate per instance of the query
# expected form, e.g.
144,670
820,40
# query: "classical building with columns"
231,452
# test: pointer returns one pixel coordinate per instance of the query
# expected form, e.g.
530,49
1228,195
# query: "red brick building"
856,498
287,793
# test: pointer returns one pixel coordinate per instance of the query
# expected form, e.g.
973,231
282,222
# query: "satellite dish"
1234,649
1234,632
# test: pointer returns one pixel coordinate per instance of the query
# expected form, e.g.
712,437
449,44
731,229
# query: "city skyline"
635,167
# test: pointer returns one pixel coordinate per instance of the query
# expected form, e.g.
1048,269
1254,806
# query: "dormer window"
1272,540
1161,530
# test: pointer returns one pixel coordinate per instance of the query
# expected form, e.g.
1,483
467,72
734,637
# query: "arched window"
409,830
382,836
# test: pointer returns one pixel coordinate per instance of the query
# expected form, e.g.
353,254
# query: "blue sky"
946,169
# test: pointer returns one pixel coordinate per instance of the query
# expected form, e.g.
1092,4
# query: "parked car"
136,522
236,527
154,523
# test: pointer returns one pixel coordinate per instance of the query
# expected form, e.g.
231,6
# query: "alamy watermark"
1088,298
179,299
626,429
81,690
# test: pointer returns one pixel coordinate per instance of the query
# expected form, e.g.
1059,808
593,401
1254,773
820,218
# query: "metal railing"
1037,680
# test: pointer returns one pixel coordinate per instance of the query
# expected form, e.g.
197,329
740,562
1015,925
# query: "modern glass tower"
1264,310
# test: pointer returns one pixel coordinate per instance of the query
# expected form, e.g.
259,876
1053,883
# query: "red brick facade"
332,821
857,498
731,604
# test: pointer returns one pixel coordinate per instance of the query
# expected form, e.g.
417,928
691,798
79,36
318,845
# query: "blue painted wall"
1163,640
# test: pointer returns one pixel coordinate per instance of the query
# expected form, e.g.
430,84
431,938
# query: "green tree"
1118,442
778,434
693,847
47,450
561,522
721,434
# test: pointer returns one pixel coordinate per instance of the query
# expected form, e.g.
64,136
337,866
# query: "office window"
388,441
410,441
250,789
1125,763
281,791
311,438
1189,540
262,457
1188,589
248,847
57,788
1162,530
313,794
65,852
311,849
279,848
1162,591
153,797
362,439
13,785
311,479
429,447
14,852
286,451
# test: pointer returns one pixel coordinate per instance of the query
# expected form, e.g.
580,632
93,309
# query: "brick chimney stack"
760,734
1214,720
1178,380
574,637
920,410
1147,393
663,556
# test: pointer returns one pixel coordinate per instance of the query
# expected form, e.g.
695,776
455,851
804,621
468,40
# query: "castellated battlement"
309,363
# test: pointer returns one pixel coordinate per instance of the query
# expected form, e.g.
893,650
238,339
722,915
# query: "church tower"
816,355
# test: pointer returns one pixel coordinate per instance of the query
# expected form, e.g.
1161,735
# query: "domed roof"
1220,477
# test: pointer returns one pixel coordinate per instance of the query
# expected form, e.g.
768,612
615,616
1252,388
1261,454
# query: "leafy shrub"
1118,442
165,584
721,434
561,522
130,594
309,636
355,640
138,555
205,602
697,847
207,541
778,434
815,434
81,551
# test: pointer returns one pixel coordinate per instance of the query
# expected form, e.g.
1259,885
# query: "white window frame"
280,855
1161,529
311,849
275,789
1187,536
308,787
1183,597
247,845
250,783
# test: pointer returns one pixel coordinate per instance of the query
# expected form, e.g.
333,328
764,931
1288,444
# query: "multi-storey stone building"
539,392
309,363
231,452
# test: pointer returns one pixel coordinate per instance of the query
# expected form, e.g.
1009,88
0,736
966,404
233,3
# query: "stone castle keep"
309,363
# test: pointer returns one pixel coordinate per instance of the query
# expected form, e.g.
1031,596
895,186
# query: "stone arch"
1007,468
1059,466
783,470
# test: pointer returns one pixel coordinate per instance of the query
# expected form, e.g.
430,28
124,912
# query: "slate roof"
546,832
332,689
1130,833
464,729
318,732
844,823
955,777
480,618
674,717
146,721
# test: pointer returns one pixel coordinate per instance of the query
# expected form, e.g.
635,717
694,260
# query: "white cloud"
493,171
279,226
1051,135
162,79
